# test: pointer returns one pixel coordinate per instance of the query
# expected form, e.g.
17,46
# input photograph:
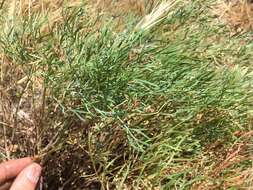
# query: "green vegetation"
140,108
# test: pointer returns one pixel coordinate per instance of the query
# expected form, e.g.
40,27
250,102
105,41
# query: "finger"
12,168
28,178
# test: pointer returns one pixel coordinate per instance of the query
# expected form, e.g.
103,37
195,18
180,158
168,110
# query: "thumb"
28,178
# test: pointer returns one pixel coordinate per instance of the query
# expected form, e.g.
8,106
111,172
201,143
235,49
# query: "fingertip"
28,178
33,173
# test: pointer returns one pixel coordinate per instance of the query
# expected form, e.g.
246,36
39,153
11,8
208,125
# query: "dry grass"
121,7
224,172
117,10
238,14
20,107
157,14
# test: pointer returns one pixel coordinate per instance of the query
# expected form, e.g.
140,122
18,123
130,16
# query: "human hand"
24,172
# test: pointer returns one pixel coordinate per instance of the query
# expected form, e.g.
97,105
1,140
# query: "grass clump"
140,108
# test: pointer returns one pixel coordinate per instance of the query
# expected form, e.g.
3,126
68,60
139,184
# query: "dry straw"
238,14
157,14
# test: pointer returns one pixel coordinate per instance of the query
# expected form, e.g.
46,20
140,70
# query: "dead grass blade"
156,15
